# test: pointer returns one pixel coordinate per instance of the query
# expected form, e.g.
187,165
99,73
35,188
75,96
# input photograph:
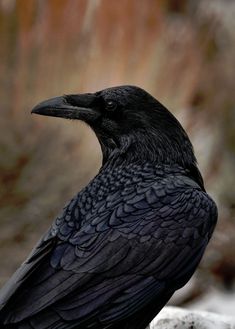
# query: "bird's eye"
111,105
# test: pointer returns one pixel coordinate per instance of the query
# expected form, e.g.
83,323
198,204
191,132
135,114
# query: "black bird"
131,237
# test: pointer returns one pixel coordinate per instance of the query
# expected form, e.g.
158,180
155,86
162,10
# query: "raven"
128,240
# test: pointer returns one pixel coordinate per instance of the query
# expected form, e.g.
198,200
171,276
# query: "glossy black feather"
117,252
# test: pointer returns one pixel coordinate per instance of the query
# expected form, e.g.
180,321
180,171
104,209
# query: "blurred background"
183,52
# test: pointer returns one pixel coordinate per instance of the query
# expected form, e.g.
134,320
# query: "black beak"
69,107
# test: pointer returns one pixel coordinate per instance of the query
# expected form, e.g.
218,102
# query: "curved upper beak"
60,107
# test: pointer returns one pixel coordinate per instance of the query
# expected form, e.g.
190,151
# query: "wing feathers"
112,258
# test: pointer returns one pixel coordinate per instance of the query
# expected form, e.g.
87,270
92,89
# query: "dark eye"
111,105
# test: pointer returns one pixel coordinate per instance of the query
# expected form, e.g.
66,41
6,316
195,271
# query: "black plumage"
131,237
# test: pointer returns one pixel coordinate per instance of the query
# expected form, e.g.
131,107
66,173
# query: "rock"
178,318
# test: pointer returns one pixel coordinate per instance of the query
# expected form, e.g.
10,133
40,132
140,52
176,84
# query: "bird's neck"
141,148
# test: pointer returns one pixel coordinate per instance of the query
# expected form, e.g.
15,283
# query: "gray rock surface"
178,318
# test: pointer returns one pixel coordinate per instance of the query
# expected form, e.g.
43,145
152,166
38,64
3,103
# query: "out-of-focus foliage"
180,51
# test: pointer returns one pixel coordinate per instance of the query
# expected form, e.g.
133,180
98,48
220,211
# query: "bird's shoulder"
126,199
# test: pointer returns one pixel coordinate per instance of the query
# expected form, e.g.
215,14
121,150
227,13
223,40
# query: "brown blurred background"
183,52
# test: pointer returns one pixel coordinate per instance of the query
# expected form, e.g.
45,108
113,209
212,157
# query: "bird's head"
128,120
